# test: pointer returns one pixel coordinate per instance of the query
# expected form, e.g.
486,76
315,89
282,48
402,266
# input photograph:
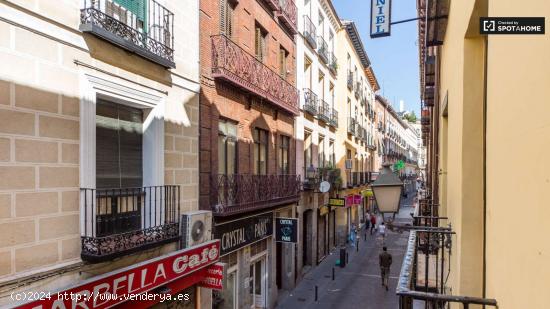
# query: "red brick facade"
220,99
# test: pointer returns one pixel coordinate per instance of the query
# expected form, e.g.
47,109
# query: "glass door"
258,284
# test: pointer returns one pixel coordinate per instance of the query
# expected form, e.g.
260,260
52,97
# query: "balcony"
334,119
233,64
425,116
310,32
117,222
233,194
323,49
351,125
358,130
146,30
333,64
423,278
357,90
324,111
350,80
287,13
310,102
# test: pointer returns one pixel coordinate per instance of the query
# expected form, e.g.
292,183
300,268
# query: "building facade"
247,148
316,128
470,88
355,148
99,111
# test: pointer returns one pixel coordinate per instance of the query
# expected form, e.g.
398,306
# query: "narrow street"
358,285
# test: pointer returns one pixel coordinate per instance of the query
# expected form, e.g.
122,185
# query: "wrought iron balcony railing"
350,80
232,194
334,118
146,28
323,49
357,90
287,13
121,221
233,64
324,111
310,32
351,125
333,63
358,130
310,102
272,4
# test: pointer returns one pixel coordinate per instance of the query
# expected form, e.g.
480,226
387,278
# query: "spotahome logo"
511,25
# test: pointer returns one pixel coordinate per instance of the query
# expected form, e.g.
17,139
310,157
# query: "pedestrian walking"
382,232
367,223
385,260
372,223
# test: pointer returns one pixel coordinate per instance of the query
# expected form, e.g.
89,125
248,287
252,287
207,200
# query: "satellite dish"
324,186
197,230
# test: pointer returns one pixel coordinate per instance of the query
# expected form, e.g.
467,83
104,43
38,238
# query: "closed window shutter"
119,146
223,16
229,22
258,44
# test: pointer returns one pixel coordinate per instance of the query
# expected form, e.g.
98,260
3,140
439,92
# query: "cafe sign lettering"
237,234
113,288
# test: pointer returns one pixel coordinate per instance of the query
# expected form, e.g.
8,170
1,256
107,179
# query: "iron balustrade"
272,4
233,64
334,118
310,32
350,80
120,221
358,130
357,89
237,193
323,49
425,270
351,125
333,63
288,13
310,102
324,111
147,29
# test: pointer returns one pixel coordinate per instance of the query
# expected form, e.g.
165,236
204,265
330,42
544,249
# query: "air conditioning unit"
349,164
196,228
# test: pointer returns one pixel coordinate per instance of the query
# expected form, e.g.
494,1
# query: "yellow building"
487,130
355,136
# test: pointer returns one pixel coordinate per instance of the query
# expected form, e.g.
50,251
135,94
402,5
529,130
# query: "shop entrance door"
258,278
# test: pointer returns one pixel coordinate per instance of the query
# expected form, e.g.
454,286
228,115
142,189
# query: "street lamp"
310,174
387,190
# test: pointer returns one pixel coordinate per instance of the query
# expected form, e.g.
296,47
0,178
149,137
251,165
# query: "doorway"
258,283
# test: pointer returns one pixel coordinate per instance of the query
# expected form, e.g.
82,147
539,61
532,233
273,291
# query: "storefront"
246,251
322,233
171,280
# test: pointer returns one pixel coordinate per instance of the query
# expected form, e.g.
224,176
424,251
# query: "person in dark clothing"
372,223
385,263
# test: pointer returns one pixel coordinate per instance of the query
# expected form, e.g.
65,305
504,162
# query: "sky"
394,58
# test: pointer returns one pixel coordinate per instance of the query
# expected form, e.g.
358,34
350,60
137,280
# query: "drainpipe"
486,45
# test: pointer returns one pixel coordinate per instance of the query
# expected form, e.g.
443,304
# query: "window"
331,90
226,18
260,43
260,151
119,152
119,159
332,154
307,151
322,85
307,71
284,155
227,148
321,151
283,54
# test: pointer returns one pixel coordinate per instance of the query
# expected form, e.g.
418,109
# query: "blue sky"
394,58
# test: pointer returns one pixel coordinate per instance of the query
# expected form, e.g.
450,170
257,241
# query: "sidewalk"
358,285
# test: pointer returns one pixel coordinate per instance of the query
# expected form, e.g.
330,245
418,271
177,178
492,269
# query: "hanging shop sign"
286,230
336,202
237,234
367,193
357,199
349,200
323,210
131,283
214,277
380,18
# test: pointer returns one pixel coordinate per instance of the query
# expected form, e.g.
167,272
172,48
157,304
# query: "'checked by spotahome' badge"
511,25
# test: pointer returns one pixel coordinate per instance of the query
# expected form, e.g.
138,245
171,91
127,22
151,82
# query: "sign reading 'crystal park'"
237,234
380,18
